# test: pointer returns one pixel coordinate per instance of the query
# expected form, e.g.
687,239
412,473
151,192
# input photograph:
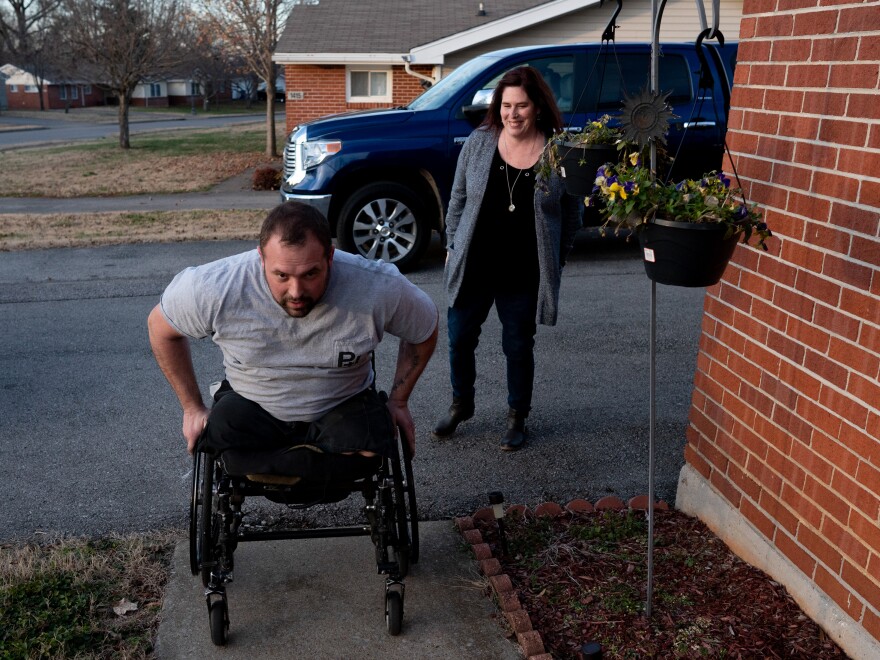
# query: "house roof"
17,76
385,30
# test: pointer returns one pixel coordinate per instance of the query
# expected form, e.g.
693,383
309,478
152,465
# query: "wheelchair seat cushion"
303,462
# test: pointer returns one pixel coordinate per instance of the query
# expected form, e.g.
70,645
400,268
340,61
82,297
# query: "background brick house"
23,91
438,36
783,454
169,92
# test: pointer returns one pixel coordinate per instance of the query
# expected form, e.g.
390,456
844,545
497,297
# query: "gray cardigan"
557,219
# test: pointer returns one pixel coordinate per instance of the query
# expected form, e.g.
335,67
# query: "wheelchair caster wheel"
218,615
393,612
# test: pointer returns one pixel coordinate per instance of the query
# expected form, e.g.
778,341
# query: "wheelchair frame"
216,515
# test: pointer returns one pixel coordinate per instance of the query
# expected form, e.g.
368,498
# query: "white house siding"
178,88
681,22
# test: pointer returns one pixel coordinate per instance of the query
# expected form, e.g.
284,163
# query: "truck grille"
289,159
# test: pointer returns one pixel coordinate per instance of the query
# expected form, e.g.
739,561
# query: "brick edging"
518,619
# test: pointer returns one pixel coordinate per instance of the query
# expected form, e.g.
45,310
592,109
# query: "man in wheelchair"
297,323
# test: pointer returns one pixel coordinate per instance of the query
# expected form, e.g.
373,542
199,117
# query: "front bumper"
320,202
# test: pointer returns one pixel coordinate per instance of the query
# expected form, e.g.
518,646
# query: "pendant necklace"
510,188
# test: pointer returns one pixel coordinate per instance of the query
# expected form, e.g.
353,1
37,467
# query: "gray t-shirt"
297,368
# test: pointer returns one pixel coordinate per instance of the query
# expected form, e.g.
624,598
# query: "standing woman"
506,240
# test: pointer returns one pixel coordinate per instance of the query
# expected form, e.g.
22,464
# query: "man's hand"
403,423
411,362
194,422
172,354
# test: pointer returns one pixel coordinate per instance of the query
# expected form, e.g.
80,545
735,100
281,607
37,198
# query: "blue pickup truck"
383,177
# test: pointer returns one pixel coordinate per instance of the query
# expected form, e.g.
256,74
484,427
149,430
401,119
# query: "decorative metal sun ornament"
646,117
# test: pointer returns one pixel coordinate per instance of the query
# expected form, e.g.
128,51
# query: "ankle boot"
516,434
459,411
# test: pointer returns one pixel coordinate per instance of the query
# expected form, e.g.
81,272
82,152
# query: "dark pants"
360,423
516,311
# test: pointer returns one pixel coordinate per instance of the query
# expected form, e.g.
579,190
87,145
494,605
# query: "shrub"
267,178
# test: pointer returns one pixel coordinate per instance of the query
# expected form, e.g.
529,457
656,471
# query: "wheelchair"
217,509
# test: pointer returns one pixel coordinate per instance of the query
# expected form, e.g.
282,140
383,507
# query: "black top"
503,255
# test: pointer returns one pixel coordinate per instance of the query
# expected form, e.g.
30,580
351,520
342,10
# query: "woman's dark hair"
548,117
293,222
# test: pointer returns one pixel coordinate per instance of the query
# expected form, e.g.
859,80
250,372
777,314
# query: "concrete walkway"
322,598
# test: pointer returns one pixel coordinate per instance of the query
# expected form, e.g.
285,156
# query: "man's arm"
411,362
173,355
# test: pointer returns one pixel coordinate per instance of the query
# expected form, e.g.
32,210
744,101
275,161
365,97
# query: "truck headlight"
314,152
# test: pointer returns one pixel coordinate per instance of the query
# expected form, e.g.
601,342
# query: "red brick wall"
159,101
52,100
785,416
21,100
323,90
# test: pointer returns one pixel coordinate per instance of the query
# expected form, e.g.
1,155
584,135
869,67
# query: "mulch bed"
582,577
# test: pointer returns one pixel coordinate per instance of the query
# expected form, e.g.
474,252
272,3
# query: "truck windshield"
439,94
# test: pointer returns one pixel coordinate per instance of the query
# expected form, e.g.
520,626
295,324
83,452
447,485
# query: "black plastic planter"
579,164
685,253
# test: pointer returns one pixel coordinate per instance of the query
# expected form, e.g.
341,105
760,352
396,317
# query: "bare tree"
122,43
213,61
25,32
247,83
254,26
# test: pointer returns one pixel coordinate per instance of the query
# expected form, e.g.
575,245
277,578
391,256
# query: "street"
90,436
21,130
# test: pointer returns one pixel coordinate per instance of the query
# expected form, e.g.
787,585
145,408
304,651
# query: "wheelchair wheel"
405,511
196,511
218,617
393,611
412,509
206,533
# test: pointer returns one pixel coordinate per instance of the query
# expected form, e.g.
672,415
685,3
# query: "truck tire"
385,220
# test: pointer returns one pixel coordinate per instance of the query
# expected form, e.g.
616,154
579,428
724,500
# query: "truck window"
437,96
557,71
675,77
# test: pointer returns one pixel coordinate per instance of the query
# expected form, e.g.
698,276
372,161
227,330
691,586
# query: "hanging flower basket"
688,230
576,155
686,253
578,165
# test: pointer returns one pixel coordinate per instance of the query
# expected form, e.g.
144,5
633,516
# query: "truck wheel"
385,221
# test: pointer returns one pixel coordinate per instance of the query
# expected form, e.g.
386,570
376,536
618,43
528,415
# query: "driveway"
90,431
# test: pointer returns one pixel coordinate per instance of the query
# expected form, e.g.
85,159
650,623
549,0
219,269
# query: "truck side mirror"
474,113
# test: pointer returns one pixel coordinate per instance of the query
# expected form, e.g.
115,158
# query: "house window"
155,89
87,89
13,88
74,92
194,89
369,86
30,89
62,92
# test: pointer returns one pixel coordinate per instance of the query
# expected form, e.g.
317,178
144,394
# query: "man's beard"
304,305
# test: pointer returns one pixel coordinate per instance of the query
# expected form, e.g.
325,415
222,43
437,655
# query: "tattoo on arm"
404,378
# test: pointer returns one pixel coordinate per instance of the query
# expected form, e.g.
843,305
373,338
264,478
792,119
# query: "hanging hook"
716,16
707,81
608,32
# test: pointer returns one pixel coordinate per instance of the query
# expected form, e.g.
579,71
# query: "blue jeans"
516,311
